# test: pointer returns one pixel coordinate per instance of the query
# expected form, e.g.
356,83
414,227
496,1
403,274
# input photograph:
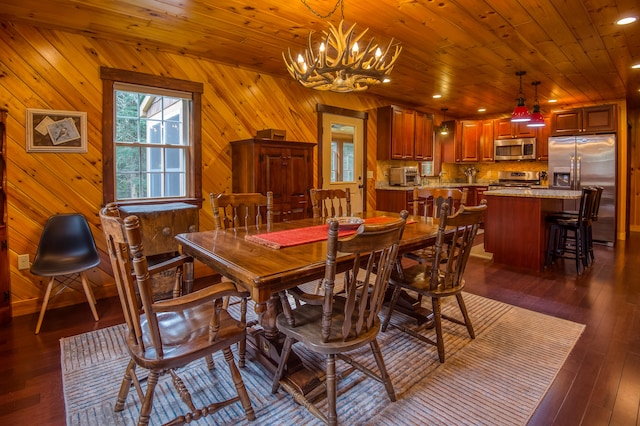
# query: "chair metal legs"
87,291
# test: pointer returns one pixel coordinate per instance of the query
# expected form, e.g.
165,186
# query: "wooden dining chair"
241,210
328,203
165,335
427,203
334,324
439,279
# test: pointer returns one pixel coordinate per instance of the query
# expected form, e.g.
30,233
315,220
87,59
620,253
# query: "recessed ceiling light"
482,110
626,21
635,66
437,96
552,101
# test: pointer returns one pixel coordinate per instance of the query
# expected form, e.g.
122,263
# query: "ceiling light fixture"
339,65
626,21
444,130
537,120
520,113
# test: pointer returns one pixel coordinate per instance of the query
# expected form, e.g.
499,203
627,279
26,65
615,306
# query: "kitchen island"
515,228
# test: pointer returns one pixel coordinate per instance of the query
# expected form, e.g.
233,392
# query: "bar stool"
568,234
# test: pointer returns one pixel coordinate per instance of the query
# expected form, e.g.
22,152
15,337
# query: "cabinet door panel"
423,137
566,122
298,166
273,177
600,118
502,129
486,140
469,141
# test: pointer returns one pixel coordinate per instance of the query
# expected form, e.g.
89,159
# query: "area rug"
497,379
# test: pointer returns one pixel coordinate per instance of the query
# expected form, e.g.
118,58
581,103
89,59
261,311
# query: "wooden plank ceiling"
466,50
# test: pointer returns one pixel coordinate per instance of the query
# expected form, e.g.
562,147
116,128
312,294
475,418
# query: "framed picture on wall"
56,131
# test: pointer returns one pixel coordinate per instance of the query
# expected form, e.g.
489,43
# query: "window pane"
126,130
127,159
145,124
174,184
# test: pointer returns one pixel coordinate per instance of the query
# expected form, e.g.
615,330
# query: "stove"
516,180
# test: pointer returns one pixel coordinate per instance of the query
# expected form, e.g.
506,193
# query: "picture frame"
56,131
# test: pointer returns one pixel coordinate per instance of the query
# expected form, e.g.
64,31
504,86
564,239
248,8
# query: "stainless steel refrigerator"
579,161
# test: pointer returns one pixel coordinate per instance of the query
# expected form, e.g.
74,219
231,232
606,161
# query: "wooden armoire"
283,167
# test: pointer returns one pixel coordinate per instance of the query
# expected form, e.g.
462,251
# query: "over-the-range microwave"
514,149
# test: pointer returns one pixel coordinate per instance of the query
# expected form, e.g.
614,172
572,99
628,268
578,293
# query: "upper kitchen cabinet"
447,146
282,167
474,141
503,128
467,141
423,150
593,119
404,134
542,141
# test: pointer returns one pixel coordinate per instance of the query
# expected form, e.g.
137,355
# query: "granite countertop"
536,193
434,185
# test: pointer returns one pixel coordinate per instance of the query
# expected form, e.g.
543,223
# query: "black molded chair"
65,251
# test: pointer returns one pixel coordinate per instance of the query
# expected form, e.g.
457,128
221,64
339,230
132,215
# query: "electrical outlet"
23,261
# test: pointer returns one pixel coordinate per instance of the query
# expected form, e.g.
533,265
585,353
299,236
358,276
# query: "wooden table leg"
265,345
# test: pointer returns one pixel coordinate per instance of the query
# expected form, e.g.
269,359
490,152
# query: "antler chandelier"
339,65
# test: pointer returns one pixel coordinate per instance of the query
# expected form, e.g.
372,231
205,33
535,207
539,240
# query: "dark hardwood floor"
598,385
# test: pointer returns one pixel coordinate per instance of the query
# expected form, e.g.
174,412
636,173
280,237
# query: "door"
596,162
343,157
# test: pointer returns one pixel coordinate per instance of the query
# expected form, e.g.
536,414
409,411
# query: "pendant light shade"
444,130
537,120
520,113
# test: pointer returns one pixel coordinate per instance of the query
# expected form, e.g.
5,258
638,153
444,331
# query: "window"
151,140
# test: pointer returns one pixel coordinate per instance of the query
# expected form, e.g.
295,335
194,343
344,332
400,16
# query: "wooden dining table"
264,271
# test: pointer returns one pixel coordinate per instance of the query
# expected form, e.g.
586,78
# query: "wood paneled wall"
634,170
55,70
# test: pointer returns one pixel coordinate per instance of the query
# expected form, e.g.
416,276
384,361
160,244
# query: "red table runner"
310,234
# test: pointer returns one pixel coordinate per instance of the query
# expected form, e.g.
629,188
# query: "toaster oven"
403,176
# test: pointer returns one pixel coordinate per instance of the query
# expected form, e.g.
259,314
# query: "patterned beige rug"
497,379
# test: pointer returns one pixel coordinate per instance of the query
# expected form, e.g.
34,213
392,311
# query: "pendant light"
537,120
444,130
520,113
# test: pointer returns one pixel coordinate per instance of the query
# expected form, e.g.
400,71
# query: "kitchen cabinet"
467,141
404,134
446,144
593,119
474,141
479,194
394,200
283,167
423,150
542,141
503,128
486,140
5,278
